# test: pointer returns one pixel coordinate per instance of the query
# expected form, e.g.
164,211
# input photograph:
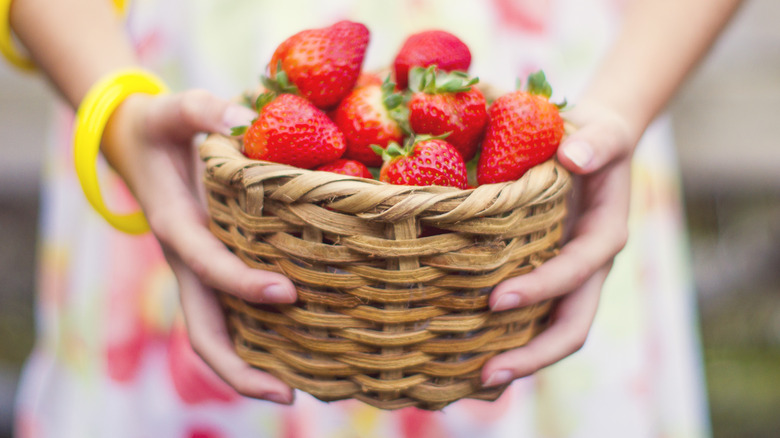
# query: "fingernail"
276,293
498,378
579,152
237,115
277,398
507,301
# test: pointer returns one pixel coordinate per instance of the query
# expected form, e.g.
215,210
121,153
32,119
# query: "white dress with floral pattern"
112,358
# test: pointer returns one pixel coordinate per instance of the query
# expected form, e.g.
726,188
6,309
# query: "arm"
73,42
148,141
661,42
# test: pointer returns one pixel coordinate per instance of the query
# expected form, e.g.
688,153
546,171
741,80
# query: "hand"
599,152
149,141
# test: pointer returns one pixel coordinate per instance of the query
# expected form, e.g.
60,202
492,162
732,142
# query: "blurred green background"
725,120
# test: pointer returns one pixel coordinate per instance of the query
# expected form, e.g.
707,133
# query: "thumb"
595,144
185,114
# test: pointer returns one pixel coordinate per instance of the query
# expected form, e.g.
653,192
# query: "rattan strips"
393,281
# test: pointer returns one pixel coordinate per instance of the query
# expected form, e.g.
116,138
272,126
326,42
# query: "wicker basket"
383,315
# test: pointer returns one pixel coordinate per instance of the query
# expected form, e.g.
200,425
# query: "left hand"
150,144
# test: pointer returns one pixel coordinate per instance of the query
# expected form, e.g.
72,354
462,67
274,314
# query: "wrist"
122,136
95,110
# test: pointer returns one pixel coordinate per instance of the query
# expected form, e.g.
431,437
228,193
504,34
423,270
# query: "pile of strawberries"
421,124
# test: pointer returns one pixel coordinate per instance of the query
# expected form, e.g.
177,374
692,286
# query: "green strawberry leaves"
394,150
537,84
432,81
395,103
279,83
238,131
264,99
390,98
276,85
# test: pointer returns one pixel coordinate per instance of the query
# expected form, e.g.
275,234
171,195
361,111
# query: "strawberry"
423,161
367,78
525,129
323,63
369,115
433,47
447,103
347,167
290,130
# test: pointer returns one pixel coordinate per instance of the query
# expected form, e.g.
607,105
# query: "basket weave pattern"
383,315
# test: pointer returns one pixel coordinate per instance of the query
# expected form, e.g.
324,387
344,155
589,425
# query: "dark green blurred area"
736,245
17,255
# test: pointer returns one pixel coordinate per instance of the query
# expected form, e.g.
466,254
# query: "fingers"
181,231
178,220
572,319
210,339
180,116
598,235
180,224
601,150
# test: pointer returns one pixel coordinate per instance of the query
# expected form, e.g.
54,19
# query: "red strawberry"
425,161
447,103
323,63
290,130
433,47
369,116
347,167
368,79
525,129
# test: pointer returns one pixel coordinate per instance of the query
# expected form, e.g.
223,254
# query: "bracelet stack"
91,118
6,40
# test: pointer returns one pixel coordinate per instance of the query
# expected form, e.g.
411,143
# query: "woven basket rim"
227,165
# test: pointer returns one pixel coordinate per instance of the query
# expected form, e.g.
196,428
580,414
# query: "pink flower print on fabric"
417,423
529,16
126,336
203,432
194,381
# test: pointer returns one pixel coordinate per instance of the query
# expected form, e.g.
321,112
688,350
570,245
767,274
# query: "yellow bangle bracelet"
91,118
7,47
6,40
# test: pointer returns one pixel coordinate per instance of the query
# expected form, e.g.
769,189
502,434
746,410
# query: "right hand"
149,141
600,154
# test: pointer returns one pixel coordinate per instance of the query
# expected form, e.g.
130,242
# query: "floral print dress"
112,357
